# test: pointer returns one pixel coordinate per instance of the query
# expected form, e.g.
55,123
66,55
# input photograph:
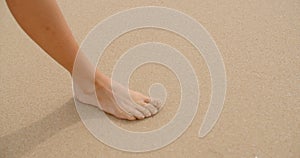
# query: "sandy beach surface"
259,42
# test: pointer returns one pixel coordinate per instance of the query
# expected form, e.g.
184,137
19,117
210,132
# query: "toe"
157,103
143,110
151,108
129,117
147,100
137,114
124,115
132,113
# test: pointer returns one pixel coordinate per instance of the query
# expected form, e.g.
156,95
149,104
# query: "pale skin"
44,23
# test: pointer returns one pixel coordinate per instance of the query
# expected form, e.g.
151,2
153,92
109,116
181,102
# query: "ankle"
101,81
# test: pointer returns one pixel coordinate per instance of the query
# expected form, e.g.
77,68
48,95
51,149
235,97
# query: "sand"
259,42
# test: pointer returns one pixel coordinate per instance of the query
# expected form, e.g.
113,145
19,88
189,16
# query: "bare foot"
137,106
